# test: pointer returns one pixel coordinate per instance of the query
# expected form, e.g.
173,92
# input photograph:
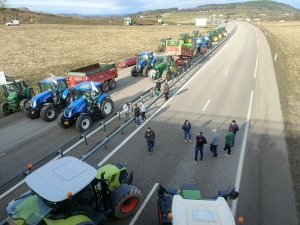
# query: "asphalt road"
220,91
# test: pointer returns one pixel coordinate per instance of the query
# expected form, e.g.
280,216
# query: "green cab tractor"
68,191
186,38
195,34
164,68
162,45
214,34
17,94
223,31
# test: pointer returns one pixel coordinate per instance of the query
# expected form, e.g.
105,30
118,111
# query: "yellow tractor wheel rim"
175,69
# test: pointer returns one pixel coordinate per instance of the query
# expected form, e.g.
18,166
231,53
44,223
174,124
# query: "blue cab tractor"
55,95
146,61
203,43
91,104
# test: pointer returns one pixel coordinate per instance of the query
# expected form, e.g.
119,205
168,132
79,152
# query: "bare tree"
3,3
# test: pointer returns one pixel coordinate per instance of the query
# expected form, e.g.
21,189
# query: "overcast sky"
86,7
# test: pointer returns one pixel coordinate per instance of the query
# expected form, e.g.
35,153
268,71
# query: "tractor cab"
56,88
89,91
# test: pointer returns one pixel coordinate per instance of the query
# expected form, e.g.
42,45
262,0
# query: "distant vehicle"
226,21
165,24
179,24
13,23
281,21
128,62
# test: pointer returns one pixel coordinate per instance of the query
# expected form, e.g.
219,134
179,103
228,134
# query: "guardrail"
195,65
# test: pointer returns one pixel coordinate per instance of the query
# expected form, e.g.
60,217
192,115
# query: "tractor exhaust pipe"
104,190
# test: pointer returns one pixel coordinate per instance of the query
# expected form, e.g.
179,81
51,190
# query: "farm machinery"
203,43
91,104
69,191
195,34
146,61
162,45
223,31
214,34
165,66
186,206
17,94
55,95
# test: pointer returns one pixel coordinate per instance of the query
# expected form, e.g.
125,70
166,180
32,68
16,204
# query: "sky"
105,7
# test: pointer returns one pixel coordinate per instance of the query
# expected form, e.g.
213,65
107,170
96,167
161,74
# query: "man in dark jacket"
200,141
150,137
234,127
166,90
137,115
158,86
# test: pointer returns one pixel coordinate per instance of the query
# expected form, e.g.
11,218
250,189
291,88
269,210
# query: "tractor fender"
117,194
103,96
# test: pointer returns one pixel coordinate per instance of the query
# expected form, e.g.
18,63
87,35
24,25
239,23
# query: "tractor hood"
12,96
29,207
159,66
40,98
78,106
142,63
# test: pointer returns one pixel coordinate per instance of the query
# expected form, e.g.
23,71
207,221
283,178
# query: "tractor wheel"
165,75
133,72
129,203
145,71
23,104
105,87
175,69
29,115
112,84
107,107
4,109
60,121
48,113
83,122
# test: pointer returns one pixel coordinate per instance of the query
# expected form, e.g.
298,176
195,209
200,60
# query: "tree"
3,3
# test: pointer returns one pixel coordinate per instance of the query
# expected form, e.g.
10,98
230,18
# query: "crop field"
283,39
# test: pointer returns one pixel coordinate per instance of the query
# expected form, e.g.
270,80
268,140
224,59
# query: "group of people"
214,142
137,112
156,89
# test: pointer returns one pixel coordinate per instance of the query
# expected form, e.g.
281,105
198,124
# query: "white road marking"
143,205
255,71
226,73
257,44
11,189
206,105
242,155
256,35
235,56
240,47
2,154
115,93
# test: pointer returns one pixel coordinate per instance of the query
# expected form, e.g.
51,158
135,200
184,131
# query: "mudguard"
102,96
117,194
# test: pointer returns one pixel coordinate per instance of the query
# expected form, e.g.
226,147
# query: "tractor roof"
205,211
87,86
49,80
145,53
17,81
164,55
54,180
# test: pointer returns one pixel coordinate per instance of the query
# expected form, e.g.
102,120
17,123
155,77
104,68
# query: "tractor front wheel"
24,103
165,75
129,203
61,121
107,107
48,113
105,87
29,115
4,109
133,71
83,122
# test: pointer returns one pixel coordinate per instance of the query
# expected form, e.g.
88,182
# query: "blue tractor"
91,104
146,61
55,95
203,43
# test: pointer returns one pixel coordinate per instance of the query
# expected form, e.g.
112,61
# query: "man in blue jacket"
234,127
200,141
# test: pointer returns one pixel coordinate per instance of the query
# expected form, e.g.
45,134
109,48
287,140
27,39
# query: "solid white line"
242,155
11,189
226,73
255,71
159,109
206,105
257,44
143,205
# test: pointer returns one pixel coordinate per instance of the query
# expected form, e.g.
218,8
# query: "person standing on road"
234,128
137,115
143,110
166,90
186,127
126,110
150,137
158,86
200,141
214,142
228,140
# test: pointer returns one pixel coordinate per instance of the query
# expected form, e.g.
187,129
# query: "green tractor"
223,31
162,45
164,68
186,38
214,34
68,191
195,34
17,94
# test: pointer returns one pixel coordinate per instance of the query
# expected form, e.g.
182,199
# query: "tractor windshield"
143,57
206,38
61,86
11,88
161,60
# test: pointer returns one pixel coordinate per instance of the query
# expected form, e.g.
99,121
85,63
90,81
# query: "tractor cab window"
61,86
11,88
145,57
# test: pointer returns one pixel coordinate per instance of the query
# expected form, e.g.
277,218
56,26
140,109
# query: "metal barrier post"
119,116
104,130
83,135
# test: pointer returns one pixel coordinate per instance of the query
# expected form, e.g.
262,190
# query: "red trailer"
104,73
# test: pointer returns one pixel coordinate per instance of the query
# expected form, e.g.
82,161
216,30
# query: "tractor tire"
23,104
83,122
29,115
60,121
48,113
107,107
133,72
145,71
129,203
4,109
165,75
105,87
175,69
112,84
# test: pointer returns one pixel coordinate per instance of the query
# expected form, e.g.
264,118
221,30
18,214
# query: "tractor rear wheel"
165,75
105,87
133,72
48,113
107,107
23,104
4,109
83,122
61,122
145,71
112,84
129,203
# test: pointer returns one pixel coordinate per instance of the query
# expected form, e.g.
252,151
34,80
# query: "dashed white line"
206,105
143,205
235,56
226,73
255,71
257,44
